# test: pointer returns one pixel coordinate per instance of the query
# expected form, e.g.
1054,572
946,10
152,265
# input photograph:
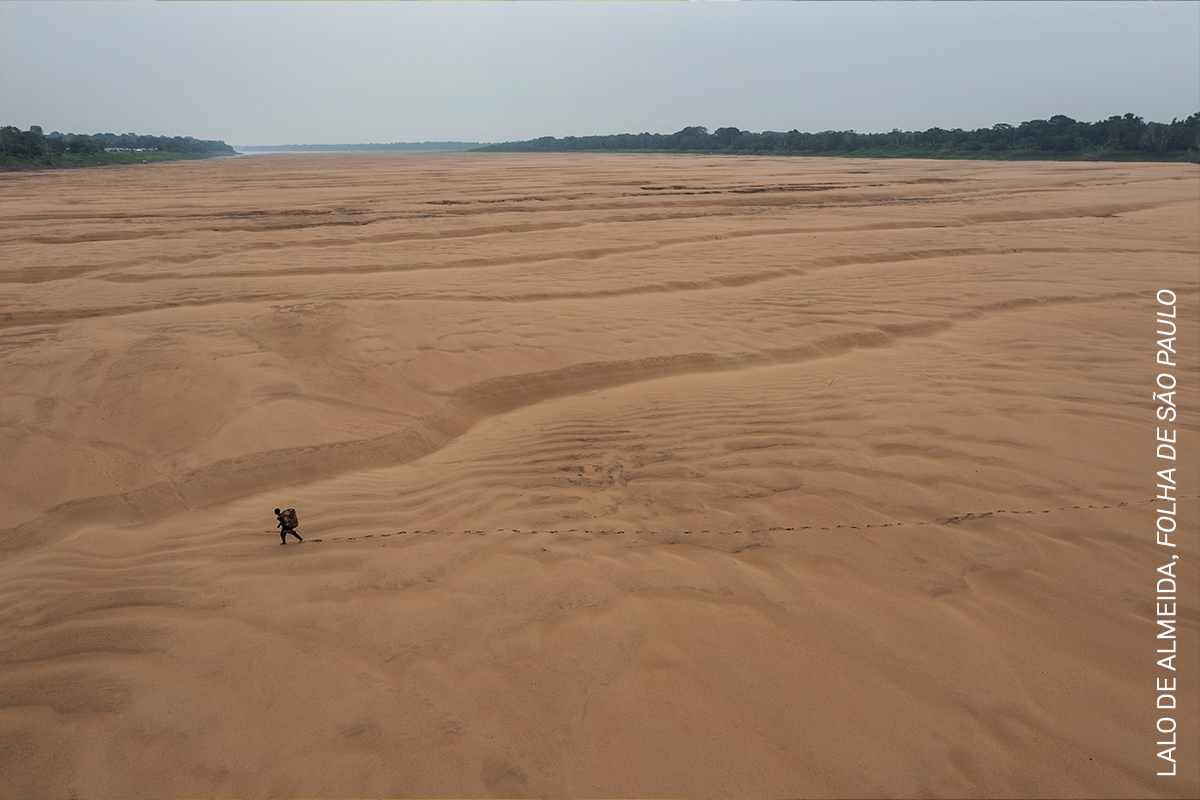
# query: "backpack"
289,518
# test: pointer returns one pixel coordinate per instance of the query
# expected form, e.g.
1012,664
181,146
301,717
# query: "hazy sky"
282,73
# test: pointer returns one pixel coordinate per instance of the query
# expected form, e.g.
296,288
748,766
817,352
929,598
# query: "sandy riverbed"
618,476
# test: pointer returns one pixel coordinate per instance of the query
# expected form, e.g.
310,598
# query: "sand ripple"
619,476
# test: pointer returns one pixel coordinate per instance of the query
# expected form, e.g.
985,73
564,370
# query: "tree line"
1060,137
398,147
35,148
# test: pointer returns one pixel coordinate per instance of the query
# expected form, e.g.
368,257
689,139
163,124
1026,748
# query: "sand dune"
618,476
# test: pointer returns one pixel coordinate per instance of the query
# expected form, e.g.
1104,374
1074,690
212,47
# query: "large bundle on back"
289,518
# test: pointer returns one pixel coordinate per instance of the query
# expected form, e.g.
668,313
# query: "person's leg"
283,536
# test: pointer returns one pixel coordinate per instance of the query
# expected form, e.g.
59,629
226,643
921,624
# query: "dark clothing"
285,529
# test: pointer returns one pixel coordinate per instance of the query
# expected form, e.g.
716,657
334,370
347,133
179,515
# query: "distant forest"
1127,138
1059,138
394,147
33,148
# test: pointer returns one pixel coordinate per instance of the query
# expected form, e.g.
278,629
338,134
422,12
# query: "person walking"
285,526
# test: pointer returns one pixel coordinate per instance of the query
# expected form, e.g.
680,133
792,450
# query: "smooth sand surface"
628,476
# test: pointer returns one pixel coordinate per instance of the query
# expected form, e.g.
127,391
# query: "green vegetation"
1127,138
33,149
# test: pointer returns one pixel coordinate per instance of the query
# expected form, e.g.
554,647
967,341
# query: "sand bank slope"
619,476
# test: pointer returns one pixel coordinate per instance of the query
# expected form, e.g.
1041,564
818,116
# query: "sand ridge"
717,476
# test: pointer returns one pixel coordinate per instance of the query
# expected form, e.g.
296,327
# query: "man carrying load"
287,524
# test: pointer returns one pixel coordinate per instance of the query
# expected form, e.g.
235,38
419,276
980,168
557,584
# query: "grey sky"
279,73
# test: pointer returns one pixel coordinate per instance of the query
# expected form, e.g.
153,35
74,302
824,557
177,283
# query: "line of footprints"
946,521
